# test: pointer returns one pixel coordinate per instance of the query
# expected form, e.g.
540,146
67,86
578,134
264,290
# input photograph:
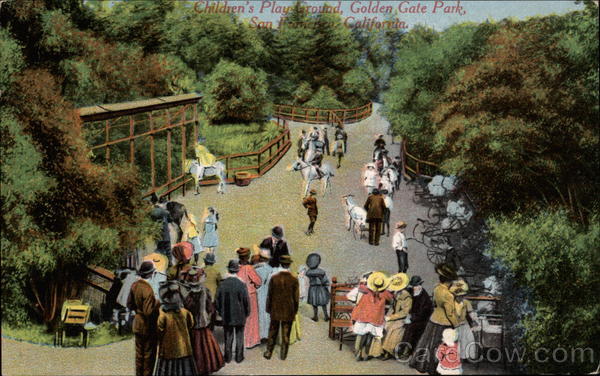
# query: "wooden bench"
341,307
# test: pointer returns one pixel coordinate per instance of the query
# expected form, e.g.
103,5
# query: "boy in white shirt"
399,245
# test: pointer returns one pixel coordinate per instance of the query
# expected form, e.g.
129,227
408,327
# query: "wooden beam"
131,139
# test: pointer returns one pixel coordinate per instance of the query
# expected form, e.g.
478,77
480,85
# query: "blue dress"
210,238
264,271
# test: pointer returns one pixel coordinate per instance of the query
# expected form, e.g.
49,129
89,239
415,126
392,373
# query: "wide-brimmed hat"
313,260
446,271
313,191
398,282
459,288
401,224
233,266
416,280
243,252
169,292
449,336
209,258
378,281
285,260
146,268
277,232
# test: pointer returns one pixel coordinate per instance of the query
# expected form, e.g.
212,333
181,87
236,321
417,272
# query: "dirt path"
247,215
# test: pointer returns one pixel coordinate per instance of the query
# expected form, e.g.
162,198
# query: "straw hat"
401,224
459,288
285,260
377,282
449,336
398,282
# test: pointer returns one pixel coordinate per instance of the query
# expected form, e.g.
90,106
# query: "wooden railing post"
227,168
258,158
131,140
106,139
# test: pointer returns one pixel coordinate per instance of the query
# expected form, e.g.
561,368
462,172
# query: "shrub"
236,94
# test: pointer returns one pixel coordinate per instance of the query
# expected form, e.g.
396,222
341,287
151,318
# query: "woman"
396,316
189,228
318,292
182,253
175,348
264,271
420,312
207,354
368,314
248,275
210,238
443,317
464,310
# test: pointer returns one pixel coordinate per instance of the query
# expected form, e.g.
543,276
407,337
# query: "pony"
389,177
309,174
198,171
356,217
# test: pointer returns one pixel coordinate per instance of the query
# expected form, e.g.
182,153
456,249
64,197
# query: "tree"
357,88
520,125
201,40
325,98
427,60
555,261
234,93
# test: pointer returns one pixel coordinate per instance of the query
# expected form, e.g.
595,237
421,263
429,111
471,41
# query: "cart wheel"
435,256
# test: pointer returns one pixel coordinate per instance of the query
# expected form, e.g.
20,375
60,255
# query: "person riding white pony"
310,174
205,165
389,177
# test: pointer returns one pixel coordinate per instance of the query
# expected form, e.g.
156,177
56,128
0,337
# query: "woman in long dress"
175,347
210,238
207,354
252,280
464,310
264,271
443,317
396,316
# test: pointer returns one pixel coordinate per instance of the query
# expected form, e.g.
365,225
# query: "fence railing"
323,116
415,167
266,157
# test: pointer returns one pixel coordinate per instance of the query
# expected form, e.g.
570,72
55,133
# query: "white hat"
449,336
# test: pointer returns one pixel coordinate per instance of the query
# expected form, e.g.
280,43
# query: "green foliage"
234,93
324,98
556,260
426,62
358,88
201,40
520,125
11,58
226,139
104,333
302,93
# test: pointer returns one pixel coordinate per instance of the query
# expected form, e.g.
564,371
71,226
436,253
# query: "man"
142,301
316,161
300,145
276,246
282,304
314,134
339,147
379,148
400,246
397,164
375,207
310,203
421,310
326,141
233,306
389,205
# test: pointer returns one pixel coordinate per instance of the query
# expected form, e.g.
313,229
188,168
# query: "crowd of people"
255,302
435,334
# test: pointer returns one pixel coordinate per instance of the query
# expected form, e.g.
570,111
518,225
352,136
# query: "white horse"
309,174
198,171
356,217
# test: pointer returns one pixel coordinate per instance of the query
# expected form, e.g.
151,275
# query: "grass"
226,139
36,333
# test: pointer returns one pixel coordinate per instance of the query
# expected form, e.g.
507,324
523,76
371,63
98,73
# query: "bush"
324,98
358,88
236,94
556,262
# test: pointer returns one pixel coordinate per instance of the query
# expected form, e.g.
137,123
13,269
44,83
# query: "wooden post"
131,139
344,116
226,168
332,300
183,154
152,166
106,139
293,110
258,157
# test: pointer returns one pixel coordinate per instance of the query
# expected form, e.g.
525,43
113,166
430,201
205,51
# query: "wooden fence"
323,116
414,167
116,131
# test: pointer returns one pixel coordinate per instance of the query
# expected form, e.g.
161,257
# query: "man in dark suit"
142,301
375,207
282,305
233,306
276,245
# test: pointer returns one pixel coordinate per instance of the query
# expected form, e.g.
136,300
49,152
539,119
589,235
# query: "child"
318,292
448,354
464,312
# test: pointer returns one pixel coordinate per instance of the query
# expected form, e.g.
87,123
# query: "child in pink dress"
448,354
